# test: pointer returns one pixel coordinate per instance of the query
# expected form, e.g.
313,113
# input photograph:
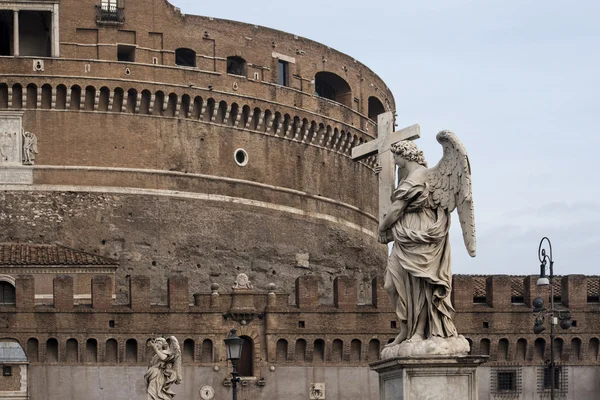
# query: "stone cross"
386,137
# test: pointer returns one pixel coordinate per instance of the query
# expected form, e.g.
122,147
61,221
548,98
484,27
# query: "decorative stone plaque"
317,391
13,152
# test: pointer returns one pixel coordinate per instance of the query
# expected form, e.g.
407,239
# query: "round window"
241,157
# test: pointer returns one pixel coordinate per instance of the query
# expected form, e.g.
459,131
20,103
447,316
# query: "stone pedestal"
428,378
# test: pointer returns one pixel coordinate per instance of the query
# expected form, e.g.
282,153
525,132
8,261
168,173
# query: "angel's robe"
419,264
160,376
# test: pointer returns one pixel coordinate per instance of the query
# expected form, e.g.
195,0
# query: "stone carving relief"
18,149
164,369
317,391
242,282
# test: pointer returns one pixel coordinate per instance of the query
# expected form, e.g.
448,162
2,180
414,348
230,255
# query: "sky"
517,81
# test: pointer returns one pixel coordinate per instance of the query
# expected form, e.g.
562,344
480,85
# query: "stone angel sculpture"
30,147
164,369
418,277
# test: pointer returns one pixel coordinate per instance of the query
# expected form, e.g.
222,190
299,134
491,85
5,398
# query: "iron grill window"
544,385
506,381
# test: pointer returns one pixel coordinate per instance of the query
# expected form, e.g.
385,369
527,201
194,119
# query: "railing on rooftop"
107,14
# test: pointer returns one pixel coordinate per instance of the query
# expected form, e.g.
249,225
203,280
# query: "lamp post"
545,258
234,344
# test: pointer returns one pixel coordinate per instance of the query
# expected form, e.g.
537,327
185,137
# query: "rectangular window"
506,381
561,387
283,73
6,370
125,53
109,4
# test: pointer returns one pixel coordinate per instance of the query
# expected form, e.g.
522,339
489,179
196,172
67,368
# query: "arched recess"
72,351
33,349
237,66
333,87
188,351
103,99
246,362
558,348
484,347
75,98
374,346
281,350
575,349
539,349
337,350
46,96
112,351
300,350
61,97
90,98
7,291
52,350
185,57
503,350
131,349
319,350
17,96
593,349
207,351
3,95
521,352
375,108
132,95
31,96
355,350
91,351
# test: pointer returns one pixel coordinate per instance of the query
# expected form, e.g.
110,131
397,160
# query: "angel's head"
408,150
162,342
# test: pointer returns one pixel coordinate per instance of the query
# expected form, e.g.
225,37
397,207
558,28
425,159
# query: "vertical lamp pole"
234,343
542,281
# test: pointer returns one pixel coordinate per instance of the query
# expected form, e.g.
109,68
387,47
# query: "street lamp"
234,344
554,314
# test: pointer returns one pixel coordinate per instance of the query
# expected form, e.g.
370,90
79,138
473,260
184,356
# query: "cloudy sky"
518,81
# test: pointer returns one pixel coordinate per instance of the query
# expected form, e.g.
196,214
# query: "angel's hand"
382,237
377,168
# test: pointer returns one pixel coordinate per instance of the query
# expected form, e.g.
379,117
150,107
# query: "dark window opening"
333,87
125,53
479,300
35,33
557,299
375,108
593,299
237,66
6,33
111,324
6,370
283,73
574,324
301,324
185,57
393,324
517,299
7,293
507,380
486,324
246,362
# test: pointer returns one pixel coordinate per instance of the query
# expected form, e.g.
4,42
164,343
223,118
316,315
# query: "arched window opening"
112,351
7,293
575,349
355,350
210,109
300,350
237,66
594,348
484,347
222,112
52,350
197,112
234,114
246,362
131,351
503,350
17,97
103,100
374,350
117,105
91,351
521,353
33,350
333,87
131,100
75,98
375,108
337,349
159,101
539,349
558,348
188,351
207,351
72,351
171,105
46,97
31,96
281,350
319,350
61,97
145,102
256,118
185,106
90,98
185,57
3,93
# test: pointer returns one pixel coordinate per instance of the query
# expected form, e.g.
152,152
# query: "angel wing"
450,184
176,351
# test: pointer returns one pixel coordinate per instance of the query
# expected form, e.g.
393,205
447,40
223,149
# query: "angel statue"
30,148
418,277
164,369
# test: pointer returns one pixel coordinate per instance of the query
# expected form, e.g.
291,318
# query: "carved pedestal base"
434,346
424,378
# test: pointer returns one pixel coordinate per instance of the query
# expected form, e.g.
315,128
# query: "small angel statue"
418,277
164,369
30,148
